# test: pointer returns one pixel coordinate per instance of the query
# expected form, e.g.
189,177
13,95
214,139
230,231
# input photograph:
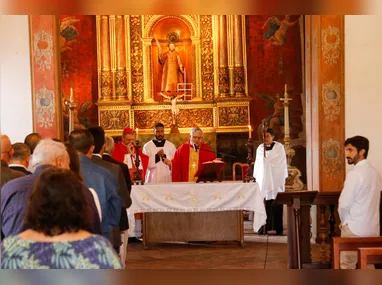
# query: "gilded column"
121,84
126,19
239,80
244,37
230,45
103,51
224,85
113,53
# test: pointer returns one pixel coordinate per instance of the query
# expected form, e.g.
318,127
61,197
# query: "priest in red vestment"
190,156
124,151
126,146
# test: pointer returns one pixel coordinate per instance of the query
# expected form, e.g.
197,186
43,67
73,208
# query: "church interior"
312,79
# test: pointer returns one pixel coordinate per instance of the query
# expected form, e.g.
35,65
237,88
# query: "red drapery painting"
78,48
274,59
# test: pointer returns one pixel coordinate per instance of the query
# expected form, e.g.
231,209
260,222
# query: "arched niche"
156,29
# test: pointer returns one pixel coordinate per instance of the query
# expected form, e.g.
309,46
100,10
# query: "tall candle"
71,94
136,131
250,131
286,88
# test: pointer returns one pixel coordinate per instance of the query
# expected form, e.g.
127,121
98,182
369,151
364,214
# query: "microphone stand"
137,176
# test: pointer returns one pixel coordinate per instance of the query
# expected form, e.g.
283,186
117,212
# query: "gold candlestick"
293,182
72,104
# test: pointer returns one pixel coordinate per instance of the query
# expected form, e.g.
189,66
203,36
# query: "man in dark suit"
98,134
7,174
124,224
106,156
99,179
20,158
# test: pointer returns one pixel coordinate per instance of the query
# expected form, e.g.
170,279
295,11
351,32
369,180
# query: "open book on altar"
210,171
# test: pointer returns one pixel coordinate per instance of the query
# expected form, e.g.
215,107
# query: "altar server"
270,171
160,152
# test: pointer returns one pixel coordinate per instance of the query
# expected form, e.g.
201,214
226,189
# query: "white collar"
16,165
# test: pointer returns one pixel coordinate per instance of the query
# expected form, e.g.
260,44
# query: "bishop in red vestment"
190,156
126,146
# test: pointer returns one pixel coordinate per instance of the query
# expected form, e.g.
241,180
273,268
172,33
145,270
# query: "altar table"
196,212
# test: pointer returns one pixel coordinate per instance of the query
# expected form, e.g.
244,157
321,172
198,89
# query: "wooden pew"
371,255
351,244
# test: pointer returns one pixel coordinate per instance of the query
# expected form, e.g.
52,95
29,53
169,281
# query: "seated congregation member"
56,237
124,151
190,156
359,203
7,174
20,158
99,179
74,166
160,152
99,146
32,141
15,193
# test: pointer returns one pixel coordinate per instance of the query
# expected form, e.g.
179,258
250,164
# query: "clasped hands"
165,160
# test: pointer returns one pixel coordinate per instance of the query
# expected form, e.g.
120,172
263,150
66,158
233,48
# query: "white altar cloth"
199,197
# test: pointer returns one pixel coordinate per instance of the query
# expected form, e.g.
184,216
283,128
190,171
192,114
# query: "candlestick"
71,95
136,131
250,131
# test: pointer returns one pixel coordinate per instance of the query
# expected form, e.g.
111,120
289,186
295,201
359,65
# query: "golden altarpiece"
212,51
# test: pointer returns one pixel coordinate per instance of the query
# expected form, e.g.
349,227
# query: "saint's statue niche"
172,57
173,71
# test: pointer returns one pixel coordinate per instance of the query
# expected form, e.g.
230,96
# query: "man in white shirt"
160,153
358,206
270,173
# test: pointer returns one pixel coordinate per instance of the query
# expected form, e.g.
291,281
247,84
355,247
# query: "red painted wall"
270,67
78,48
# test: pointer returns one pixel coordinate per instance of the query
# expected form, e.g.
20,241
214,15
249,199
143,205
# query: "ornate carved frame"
148,24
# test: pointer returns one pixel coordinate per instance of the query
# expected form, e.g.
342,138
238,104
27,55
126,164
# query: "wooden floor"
257,254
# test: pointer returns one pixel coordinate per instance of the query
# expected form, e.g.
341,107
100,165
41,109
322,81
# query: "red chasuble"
119,154
180,162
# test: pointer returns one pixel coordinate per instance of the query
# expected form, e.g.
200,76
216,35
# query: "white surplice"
270,171
158,171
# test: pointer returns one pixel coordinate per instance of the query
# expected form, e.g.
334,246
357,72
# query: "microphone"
195,147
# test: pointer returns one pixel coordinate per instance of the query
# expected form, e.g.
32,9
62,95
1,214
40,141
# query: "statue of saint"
173,68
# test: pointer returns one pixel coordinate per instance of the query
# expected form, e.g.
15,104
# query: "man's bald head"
6,148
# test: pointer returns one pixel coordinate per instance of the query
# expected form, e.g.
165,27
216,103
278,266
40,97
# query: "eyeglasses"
199,138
